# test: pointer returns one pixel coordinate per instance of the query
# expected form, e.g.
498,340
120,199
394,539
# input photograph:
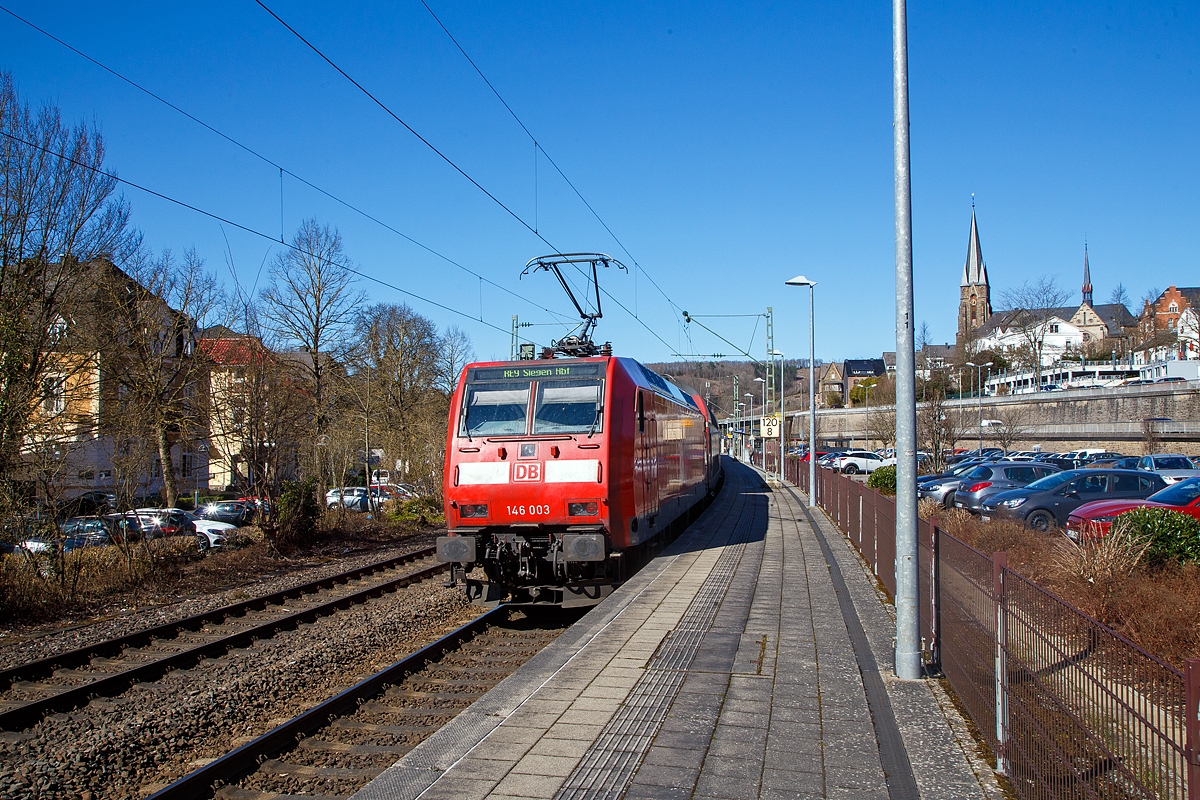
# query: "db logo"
529,471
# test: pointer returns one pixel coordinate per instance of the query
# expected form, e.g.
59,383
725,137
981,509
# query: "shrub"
883,480
422,510
298,513
1174,537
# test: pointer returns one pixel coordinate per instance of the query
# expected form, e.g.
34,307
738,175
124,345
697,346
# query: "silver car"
995,477
940,488
1173,467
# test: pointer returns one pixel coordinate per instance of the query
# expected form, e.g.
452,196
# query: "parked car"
87,531
1172,379
234,512
987,452
1095,518
994,477
1172,466
1049,501
857,461
1124,462
88,504
352,498
941,490
159,522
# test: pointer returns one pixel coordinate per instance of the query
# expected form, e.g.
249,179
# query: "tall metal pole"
812,397
750,422
908,633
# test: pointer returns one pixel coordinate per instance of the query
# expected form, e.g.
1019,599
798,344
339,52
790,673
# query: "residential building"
1168,328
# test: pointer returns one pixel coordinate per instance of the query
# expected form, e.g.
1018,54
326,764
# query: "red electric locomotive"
561,471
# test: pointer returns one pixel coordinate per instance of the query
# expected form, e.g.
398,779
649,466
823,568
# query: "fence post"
1191,676
935,587
999,568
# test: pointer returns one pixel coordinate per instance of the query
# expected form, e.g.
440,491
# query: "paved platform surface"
750,660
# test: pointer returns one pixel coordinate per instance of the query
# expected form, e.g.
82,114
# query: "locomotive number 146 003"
528,511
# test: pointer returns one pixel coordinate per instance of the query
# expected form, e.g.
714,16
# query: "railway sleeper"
276,767
326,746
238,793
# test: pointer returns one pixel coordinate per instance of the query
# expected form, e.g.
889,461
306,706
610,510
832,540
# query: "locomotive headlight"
472,511
583,508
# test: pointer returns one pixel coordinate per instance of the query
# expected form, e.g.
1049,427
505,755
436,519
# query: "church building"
975,303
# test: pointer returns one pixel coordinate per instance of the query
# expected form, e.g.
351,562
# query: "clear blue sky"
728,146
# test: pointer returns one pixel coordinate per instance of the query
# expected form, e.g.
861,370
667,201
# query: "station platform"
751,659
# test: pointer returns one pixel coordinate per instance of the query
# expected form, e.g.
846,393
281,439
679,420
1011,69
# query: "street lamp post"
979,396
800,280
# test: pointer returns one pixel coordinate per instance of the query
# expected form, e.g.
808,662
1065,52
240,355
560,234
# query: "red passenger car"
561,472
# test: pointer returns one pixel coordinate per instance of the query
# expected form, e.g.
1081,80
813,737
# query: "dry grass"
1155,607
93,580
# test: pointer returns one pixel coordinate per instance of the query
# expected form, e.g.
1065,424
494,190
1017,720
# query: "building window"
54,401
1054,329
1173,307
186,463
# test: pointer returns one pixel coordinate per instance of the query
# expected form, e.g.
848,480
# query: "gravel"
129,746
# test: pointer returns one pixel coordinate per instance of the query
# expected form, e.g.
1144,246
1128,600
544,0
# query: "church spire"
1087,277
974,272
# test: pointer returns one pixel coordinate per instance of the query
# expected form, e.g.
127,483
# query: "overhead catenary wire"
247,229
675,308
452,164
282,170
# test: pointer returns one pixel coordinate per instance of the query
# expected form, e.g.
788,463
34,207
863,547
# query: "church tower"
1087,278
975,293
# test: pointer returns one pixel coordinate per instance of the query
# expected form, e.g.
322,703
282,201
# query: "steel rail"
74,658
30,713
246,759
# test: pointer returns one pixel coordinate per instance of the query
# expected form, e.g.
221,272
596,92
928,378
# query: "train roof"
640,374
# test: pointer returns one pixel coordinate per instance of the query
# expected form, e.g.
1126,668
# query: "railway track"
67,681
335,748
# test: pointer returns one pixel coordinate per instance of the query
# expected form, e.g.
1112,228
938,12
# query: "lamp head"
800,280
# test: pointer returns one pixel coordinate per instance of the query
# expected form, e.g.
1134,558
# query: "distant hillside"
715,378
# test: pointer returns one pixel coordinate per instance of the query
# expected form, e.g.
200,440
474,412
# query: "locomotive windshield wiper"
596,421
462,415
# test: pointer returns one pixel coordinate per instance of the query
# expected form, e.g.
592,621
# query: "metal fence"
1070,708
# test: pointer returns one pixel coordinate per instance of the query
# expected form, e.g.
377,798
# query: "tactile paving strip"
609,765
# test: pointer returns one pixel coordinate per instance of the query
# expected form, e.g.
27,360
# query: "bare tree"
939,428
1119,295
457,352
412,369
923,340
147,330
1031,307
1010,423
258,414
59,212
312,302
882,427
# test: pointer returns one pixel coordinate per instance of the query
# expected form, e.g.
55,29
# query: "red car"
1098,516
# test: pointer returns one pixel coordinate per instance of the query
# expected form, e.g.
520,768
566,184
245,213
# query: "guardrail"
1070,708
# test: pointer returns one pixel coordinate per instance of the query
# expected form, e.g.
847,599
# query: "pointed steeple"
974,272
1087,277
